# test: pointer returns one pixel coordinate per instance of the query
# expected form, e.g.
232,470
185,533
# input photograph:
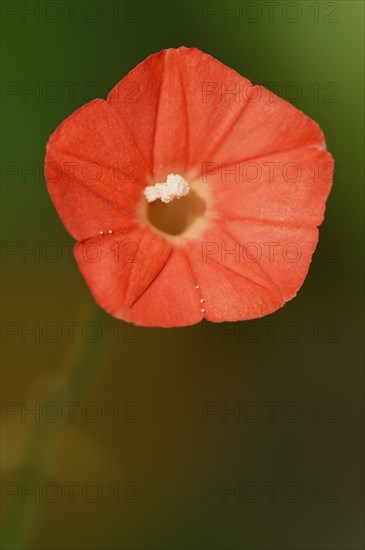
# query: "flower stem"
82,367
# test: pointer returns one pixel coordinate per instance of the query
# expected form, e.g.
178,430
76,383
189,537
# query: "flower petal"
135,101
232,286
287,188
267,125
94,171
119,268
172,299
182,106
282,253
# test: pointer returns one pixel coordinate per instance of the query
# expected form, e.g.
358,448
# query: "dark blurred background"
234,436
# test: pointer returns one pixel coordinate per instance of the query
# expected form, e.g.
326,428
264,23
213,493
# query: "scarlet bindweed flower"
191,193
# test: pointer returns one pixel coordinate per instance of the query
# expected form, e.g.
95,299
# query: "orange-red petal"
137,276
120,267
266,125
231,285
176,111
94,171
286,187
282,253
172,300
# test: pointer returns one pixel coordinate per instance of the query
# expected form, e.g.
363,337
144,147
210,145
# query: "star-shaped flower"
191,193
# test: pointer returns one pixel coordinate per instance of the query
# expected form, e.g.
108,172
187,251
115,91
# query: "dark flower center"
177,216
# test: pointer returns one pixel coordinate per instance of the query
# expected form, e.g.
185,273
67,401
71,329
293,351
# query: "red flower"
250,175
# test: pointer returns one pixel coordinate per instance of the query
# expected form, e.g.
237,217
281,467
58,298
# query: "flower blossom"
191,193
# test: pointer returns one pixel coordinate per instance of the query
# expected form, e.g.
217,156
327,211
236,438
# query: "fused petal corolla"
250,174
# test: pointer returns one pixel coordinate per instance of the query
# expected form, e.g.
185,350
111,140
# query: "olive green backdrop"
132,443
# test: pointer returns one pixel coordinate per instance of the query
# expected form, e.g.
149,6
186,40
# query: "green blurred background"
152,451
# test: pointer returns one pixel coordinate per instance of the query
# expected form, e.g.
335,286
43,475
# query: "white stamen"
174,188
